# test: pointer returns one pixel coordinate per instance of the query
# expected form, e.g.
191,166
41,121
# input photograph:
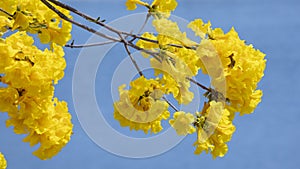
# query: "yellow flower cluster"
175,64
140,107
182,123
234,67
226,58
34,17
157,8
30,74
242,65
214,129
163,7
3,164
131,4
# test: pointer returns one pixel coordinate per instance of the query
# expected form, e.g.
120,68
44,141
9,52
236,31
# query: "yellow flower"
169,33
30,75
200,28
146,44
163,7
4,24
36,18
21,21
47,124
174,77
59,36
8,98
3,164
182,123
243,66
140,107
131,4
170,29
214,130
228,58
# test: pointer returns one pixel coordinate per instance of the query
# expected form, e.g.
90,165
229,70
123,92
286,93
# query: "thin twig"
89,45
144,24
130,55
156,41
2,10
154,54
133,60
199,84
173,107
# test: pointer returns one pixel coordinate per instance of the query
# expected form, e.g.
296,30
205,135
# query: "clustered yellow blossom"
34,17
175,64
163,7
227,58
243,66
182,123
141,107
157,8
234,67
131,4
29,74
3,164
214,129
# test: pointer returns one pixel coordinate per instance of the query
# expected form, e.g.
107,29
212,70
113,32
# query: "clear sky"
268,138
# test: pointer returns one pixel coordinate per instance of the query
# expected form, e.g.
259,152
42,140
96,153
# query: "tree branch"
89,45
2,10
199,84
89,18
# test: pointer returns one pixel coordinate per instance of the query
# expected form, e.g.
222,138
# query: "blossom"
3,164
244,67
144,44
131,4
170,29
182,123
36,18
163,7
200,28
21,21
140,107
157,8
4,24
214,130
239,65
174,78
28,98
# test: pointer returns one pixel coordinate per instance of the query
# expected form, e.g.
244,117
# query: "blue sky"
268,138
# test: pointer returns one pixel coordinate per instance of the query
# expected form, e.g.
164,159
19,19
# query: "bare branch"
89,45
2,10
199,84
173,107
130,55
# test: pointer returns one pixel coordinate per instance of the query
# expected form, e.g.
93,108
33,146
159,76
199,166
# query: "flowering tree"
28,75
